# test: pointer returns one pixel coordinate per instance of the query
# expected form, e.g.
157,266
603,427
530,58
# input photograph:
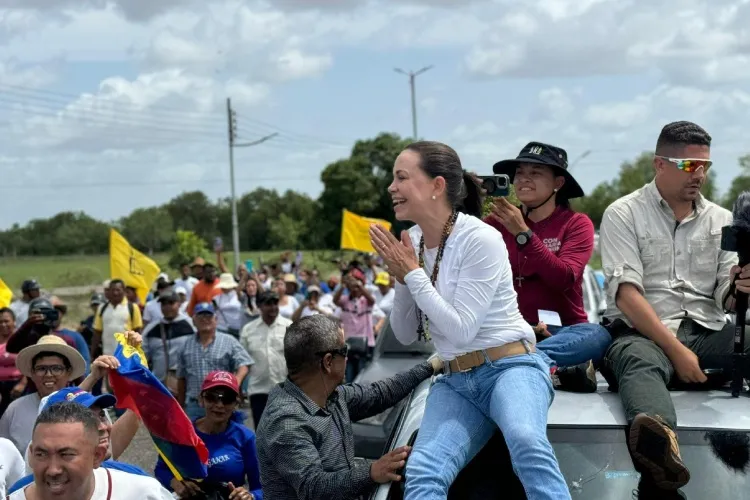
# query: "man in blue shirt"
98,404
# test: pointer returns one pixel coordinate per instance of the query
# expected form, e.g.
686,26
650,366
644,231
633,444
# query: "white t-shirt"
288,310
187,284
124,487
11,465
152,312
230,310
17,423
20,310
474,305
384,302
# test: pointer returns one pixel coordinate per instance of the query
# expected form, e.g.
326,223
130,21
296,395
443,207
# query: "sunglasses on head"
227,398
688,165
341,351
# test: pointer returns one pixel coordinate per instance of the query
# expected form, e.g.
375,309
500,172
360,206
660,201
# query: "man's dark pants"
641,372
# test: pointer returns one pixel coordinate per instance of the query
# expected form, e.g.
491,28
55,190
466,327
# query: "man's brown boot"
654,446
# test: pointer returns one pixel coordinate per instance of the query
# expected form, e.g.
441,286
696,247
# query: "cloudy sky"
108,105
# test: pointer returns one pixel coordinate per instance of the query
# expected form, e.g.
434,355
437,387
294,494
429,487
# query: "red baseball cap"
357,274
220,378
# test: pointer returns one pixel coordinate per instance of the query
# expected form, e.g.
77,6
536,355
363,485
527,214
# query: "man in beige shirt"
668,283
263,339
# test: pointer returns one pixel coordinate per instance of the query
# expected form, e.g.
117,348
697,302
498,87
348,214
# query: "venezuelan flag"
137,389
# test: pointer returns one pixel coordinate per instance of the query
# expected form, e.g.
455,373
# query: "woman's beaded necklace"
423,329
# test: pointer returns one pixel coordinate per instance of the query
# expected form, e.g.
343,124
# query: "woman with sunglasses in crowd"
232,456
455,287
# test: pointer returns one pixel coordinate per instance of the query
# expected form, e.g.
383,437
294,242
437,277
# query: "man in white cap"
51,364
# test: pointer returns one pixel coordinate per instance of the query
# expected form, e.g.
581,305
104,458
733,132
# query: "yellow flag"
355,231
130,265
6,295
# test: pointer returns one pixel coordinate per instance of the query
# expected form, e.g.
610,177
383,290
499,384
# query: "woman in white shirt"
229,308
455,288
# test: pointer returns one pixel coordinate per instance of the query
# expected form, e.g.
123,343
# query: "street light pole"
412,77
579,158
232,120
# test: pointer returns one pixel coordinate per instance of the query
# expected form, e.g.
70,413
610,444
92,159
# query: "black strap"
529,209
130,311
164,339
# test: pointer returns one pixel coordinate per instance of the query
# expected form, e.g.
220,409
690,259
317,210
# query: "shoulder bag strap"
166,348
218,309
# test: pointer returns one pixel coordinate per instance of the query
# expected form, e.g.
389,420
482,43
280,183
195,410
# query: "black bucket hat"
543,154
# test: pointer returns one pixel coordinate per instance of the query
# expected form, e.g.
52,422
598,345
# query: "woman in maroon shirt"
549,246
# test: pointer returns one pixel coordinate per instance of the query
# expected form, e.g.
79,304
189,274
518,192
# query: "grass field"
74,271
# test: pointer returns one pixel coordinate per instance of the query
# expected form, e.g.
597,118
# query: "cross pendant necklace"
519,279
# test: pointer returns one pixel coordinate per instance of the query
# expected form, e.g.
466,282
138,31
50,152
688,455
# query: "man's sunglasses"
341,351
688,165
227,398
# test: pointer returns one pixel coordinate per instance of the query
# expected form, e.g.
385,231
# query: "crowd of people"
499,295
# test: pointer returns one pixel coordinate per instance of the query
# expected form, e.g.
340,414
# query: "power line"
66,98
114,184
153,116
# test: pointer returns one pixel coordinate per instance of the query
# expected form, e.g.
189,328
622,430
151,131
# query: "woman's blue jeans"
574,344
464,410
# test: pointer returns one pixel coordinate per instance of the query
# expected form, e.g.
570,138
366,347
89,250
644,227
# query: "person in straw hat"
51,364
228,306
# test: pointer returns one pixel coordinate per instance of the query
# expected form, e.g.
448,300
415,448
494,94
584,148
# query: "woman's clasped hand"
398,256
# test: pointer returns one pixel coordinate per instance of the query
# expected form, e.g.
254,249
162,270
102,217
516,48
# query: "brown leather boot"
654,446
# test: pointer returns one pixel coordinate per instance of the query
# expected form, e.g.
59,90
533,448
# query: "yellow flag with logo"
130,265
355,231
6,295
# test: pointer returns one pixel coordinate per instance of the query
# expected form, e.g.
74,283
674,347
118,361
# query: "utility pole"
578,159
412,76
232,123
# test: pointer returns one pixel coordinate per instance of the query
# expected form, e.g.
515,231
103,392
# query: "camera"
50,316
495,186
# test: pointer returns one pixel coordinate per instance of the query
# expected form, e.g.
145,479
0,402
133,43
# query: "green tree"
285,233
193,211
739,184
150,229
359,184
186,246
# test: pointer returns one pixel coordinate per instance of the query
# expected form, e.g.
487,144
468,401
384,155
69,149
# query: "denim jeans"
464,410
574,344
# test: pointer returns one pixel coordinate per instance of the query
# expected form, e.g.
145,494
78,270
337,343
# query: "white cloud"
701,41
160,118
15,74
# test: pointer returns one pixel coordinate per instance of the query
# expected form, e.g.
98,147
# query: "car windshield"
597,466
388,345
